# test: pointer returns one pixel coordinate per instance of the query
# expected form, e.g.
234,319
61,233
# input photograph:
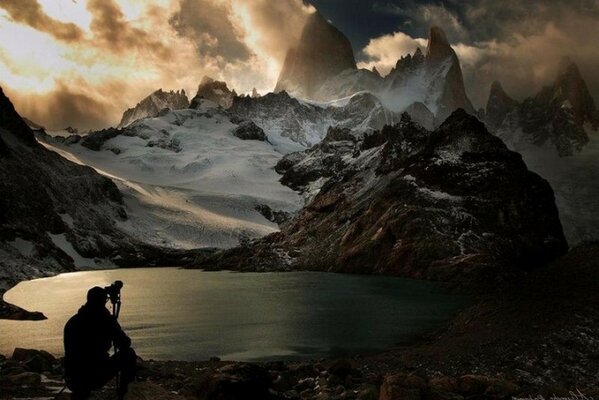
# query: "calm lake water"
193,315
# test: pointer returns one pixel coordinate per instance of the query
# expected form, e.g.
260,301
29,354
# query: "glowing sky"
83,62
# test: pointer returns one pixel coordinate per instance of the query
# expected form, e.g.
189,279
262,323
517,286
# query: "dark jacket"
88,337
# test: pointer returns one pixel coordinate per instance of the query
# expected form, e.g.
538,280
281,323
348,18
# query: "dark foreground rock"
453,205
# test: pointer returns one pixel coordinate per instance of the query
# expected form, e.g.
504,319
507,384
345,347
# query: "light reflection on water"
192,315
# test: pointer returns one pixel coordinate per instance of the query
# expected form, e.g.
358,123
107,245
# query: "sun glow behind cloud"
109,54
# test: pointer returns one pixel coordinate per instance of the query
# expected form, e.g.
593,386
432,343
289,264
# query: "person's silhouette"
88,337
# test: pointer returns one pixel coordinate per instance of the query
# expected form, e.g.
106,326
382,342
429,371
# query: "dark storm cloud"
112,31
208,23
29,12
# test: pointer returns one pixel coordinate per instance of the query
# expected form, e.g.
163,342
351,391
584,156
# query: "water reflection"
191,315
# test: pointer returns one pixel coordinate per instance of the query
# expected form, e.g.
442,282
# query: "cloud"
127,50
30,12
383,52
62,107
517,42
208,23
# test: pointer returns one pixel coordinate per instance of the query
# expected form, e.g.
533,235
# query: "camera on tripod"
114,291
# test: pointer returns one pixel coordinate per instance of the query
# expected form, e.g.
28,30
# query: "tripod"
115,299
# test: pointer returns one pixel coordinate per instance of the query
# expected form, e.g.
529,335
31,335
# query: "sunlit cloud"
109,54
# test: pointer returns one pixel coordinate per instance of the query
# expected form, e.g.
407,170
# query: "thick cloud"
519,42
30,12
209,24
67,105
119,56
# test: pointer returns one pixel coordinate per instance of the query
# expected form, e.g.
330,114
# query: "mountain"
190,178
216,91
556,133
292,124
559,116
322,68
56,215
153,104
499,106
322,53
453,204
433,79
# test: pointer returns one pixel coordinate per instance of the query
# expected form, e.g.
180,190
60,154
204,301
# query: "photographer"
88,337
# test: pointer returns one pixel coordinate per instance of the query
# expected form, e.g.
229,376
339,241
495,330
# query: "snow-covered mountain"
153,104
188,178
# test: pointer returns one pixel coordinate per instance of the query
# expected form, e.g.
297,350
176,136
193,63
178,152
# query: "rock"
340,368
401,386
368,392
38,364
12,370
232,382
26,379
474,384
23,355
95,140
322,53
149,391
446,383
248,130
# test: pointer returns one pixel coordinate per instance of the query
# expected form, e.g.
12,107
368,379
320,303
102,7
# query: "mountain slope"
56,216
187,180
453,204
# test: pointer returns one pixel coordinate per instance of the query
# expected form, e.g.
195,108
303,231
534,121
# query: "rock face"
248,130
151,106
55,215
322,53
559,116
216,91
449,205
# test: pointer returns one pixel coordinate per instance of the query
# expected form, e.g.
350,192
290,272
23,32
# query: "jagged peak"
438,48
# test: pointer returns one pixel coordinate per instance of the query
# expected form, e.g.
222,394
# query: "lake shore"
539,336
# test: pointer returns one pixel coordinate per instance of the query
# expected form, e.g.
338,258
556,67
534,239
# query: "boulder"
248,130
233,382
26,379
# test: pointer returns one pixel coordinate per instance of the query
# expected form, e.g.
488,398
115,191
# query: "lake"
177,314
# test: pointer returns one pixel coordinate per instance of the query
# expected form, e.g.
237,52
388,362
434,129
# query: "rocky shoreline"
535,337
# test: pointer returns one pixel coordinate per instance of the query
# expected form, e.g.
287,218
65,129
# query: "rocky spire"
499,105
321,53
570,87
438,49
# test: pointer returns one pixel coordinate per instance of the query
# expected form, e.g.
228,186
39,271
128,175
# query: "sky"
83,62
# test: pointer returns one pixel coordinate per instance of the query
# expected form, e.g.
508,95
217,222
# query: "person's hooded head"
97,297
